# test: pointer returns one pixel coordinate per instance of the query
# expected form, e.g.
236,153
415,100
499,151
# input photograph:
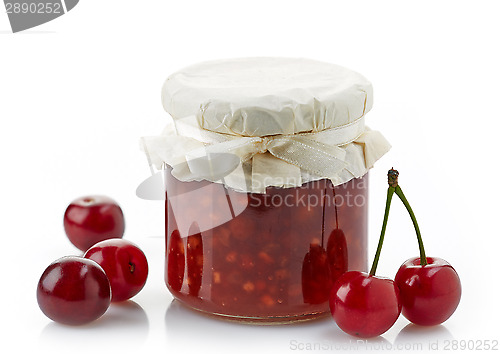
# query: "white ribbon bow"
277,160
317,153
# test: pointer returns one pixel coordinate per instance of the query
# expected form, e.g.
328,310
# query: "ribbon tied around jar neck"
196,153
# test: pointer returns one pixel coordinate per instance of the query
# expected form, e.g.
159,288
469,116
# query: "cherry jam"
269,257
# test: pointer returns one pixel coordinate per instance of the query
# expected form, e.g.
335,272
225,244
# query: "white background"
77,93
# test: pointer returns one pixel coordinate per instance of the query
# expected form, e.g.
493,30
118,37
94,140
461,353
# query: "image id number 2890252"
455,345
33,8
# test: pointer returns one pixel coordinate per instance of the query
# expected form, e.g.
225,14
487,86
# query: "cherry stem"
323,219
335,208
390,193
399,192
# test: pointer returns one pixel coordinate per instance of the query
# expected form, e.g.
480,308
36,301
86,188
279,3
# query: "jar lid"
252,123
267,96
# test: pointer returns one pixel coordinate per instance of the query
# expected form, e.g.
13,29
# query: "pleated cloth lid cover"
286,121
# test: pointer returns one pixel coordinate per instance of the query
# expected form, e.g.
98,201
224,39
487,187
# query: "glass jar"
267,184
276,261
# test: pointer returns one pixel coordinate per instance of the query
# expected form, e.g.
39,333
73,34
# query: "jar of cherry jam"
266,177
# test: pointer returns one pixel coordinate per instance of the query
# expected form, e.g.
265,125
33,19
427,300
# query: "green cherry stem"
392,178
423,259
390,193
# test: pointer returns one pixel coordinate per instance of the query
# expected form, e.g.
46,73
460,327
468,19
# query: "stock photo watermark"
26,14
446,345
299,197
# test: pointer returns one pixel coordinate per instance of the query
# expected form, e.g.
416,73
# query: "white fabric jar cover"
251,123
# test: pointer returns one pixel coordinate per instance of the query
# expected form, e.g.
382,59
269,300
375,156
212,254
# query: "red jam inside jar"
269,257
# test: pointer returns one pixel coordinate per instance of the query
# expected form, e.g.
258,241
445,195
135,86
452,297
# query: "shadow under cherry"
125,323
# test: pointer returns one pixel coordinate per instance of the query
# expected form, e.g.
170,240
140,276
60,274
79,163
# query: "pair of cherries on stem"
426,290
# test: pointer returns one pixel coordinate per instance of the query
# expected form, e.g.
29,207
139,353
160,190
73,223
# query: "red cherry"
92,219
430,287
74,291
194,260
316,276
430,293
364,305
336,251
125,265
176,262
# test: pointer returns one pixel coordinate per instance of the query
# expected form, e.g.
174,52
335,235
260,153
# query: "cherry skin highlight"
430,293
364,305
73,291
125,265
92,219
